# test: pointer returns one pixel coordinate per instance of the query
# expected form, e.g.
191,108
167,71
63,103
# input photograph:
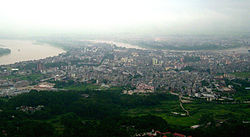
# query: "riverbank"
25,50
118,44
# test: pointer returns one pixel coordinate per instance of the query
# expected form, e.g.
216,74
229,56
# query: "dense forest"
96,113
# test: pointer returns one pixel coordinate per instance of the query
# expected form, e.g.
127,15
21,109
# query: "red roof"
166,132
162,132
151,135
178,135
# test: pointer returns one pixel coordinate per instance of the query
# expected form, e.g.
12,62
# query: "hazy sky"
170,16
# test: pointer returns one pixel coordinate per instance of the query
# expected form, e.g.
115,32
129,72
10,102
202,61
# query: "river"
25,50
127,45
118,44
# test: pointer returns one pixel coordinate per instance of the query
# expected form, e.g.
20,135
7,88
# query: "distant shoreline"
27,50
4,51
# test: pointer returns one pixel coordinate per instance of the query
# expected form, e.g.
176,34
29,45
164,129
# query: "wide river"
25,50
118,44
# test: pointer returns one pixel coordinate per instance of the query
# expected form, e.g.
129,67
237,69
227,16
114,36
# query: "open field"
242,74
221,112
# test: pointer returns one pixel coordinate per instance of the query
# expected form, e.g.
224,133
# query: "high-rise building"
155,61
40,67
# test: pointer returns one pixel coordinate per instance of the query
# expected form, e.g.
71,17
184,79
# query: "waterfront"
24,50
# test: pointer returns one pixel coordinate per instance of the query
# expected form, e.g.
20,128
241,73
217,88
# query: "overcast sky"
170,16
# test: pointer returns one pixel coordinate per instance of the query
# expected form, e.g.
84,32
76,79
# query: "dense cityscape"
199,74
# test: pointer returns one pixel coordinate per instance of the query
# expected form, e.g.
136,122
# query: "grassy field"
82,87
165,110
242,74
221,112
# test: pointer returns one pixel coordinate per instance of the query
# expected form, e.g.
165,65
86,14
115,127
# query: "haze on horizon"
118,16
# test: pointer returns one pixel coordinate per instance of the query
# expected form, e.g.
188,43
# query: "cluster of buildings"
155,133
140,88
12,92
29,109
198,74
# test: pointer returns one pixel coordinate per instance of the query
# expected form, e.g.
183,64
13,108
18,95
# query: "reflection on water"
23,50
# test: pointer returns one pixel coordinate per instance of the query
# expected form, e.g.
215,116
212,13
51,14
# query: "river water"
25,50
118,44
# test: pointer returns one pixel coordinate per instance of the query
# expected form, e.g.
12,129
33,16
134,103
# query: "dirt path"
182,106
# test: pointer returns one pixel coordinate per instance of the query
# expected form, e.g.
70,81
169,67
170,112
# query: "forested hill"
98,113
